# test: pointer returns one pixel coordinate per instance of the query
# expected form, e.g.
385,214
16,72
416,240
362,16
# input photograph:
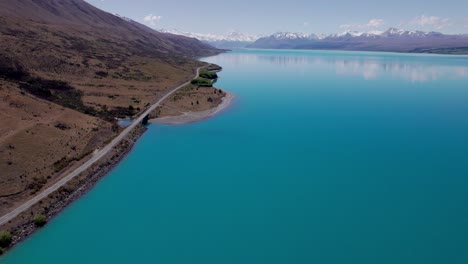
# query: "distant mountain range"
392,40
232,40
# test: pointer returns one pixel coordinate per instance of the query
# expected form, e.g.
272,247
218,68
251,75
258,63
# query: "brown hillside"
67,69
77,16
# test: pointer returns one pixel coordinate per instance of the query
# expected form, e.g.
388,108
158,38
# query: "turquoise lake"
324,157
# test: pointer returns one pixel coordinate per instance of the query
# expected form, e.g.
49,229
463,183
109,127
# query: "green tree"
5,239
201,82
208,75
40,220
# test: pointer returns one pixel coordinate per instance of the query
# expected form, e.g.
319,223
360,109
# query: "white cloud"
373,23
466,23
431,22
152,20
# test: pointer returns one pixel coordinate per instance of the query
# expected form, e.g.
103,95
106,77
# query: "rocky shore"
23,226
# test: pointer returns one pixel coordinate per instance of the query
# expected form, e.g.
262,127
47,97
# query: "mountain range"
392,40
231,40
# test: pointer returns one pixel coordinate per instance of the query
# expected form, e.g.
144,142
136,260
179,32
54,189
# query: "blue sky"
266,17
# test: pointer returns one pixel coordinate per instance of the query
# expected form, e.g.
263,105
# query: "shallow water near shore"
324,157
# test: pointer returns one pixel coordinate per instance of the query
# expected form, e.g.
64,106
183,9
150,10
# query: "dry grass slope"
67,69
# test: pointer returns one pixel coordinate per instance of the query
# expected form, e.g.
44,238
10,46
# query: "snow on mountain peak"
230,36
394,31
238,36
391,32
375,32
289,35
349,34
405,33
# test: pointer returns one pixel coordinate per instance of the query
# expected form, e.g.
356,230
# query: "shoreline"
191,117
21,225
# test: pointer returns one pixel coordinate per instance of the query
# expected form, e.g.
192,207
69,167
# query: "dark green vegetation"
208,75
5,239
202,82
40,220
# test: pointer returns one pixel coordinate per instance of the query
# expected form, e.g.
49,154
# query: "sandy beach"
189,117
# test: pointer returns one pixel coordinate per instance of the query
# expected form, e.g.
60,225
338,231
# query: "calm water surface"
325,157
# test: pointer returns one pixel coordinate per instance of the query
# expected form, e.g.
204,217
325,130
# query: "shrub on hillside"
40,220
208,75
5,239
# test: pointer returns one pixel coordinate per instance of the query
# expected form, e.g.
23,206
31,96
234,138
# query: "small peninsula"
194,102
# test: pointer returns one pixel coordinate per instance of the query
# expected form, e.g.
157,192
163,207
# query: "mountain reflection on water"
367,65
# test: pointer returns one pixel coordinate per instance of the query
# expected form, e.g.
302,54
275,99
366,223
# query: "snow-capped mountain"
345,34
284,40
233,39
390,40
289,35
393,32
237,36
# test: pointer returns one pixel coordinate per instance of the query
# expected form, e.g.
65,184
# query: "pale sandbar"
189,117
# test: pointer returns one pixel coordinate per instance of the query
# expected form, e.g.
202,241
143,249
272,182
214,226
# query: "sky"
307,16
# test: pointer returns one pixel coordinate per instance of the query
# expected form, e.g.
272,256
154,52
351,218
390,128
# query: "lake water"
324,157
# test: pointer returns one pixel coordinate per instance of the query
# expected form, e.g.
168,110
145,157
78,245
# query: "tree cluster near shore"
208,75
202,82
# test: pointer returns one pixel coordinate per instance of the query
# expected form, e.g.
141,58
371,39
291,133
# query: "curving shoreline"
57,197
190,117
